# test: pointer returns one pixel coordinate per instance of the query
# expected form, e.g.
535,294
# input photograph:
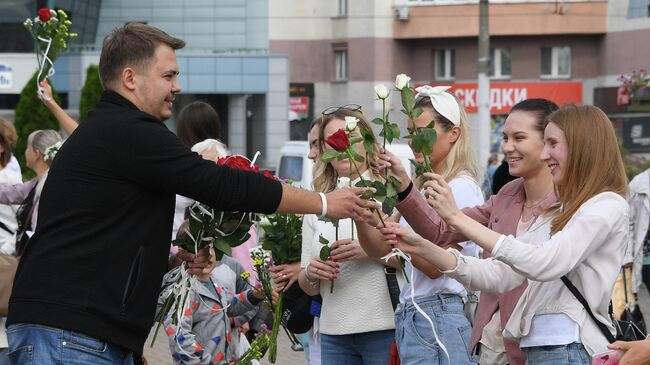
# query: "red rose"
44,14
338,141
237,162
268,174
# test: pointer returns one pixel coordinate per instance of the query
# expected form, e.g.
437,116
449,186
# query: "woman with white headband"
42,146
439,296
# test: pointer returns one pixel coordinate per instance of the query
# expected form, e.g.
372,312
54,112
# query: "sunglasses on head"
334,109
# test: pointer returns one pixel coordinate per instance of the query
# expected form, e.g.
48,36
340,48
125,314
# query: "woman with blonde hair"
356,318
579,243
437,295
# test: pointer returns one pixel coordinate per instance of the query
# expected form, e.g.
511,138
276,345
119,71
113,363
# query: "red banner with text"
504,95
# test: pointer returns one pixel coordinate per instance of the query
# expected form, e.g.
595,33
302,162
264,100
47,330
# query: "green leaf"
325,253
432,124
408,99
323,240
396,132
377,121
362,184
329,155
418,143
405,112
380,188
390,190
389,203
417,112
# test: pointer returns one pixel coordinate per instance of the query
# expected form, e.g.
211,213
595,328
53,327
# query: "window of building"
341,64
556,62
445,60
342,10
638,9
500,63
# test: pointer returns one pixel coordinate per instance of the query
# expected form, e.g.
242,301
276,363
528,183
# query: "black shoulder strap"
581,299
393,286
4,227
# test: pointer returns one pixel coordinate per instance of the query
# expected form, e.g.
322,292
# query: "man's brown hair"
132,45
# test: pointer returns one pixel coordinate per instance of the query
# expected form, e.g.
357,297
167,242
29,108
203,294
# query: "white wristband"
323,201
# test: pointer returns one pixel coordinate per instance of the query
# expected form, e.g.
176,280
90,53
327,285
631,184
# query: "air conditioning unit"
402,13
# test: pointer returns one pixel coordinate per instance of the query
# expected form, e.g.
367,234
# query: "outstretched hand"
388,160
347,203
635,352
440,197
347,250
403,238
44,91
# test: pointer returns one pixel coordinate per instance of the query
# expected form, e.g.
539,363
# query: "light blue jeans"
366,348
571,354
41,345
415,341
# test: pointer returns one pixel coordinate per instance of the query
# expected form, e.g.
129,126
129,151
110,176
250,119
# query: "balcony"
459,18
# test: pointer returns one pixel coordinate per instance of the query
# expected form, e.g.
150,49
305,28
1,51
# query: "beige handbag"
8,266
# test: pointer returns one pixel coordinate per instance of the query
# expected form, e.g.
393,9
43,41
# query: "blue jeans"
571,354
415,341
41,345
366,348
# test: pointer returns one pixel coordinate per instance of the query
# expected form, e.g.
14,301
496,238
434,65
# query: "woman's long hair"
460,159
324,174
594,163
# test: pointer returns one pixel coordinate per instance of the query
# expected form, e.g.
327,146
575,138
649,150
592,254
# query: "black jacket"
96,261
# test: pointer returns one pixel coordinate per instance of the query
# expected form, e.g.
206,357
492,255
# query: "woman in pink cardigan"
520,201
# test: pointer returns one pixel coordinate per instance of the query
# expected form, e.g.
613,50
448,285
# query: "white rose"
343,182
381,91
401,81
351,123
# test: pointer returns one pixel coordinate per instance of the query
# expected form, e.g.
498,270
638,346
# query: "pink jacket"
501,213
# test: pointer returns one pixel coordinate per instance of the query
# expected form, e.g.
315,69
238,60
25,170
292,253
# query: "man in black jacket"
86,287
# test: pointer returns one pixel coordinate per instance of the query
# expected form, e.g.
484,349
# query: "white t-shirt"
467,193
8,214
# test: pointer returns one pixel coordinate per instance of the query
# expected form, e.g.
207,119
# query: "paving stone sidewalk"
159,354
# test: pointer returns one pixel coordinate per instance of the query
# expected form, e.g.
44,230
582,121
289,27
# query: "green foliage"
283,237
31,115
90,92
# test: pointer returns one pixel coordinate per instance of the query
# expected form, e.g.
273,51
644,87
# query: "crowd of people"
109,198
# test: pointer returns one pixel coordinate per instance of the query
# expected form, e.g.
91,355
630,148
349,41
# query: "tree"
90,92
31,115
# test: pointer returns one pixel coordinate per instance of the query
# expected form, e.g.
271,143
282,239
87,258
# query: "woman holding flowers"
356,319
511,211
439,296
583,239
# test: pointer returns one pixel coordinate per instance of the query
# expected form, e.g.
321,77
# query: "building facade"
567,51
226,61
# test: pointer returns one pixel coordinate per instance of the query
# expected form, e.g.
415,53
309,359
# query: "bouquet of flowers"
258,347
51,32
207,229
635,81
283,238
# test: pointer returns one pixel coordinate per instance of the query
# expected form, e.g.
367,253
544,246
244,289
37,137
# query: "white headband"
443,102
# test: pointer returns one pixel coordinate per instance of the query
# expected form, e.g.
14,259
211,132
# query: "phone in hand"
610,357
